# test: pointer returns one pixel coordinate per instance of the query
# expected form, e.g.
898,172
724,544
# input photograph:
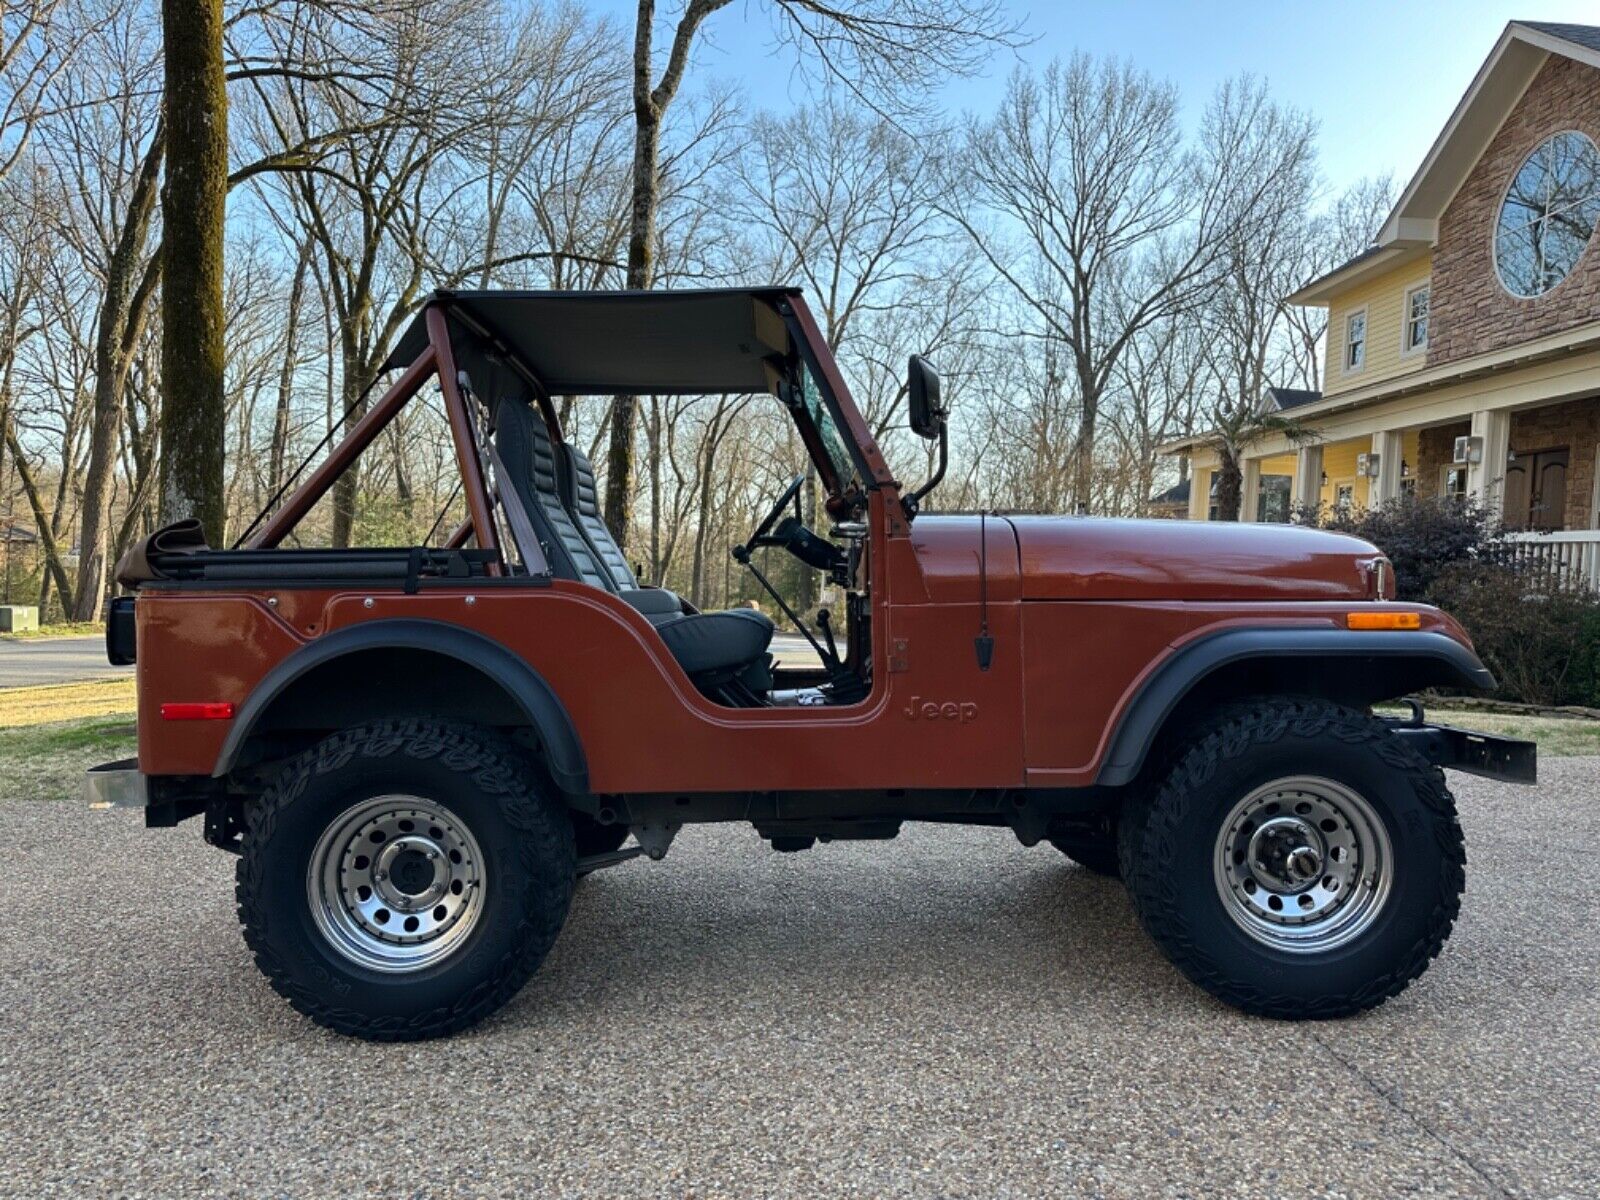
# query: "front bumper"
116,785
1508,759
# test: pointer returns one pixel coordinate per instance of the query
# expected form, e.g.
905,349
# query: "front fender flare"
539,704
1425,658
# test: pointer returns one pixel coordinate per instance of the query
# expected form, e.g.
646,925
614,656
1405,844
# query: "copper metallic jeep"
415,752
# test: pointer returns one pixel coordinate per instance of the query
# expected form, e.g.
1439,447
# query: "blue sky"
1380,77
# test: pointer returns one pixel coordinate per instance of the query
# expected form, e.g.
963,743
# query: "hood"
1092,558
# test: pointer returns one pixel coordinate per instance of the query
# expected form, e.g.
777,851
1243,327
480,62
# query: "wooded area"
1094,268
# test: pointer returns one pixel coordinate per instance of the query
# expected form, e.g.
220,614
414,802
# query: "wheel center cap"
1288,851
411,873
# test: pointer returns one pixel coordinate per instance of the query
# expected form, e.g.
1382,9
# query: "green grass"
63,629
47,762
1558,737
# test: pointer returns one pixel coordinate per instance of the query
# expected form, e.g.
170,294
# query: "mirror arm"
913,501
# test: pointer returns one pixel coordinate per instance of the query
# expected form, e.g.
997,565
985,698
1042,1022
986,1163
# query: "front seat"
714,649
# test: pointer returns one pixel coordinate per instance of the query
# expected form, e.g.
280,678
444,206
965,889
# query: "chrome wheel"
396,883
1303,864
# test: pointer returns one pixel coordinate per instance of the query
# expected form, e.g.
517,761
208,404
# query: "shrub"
1541,640
1421,536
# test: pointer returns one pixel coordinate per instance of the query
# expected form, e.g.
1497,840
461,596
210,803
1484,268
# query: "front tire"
1299,861
403,880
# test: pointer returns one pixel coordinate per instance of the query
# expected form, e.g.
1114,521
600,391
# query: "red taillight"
213,710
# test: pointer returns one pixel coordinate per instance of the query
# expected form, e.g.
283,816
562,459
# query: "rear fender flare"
539,704
1422,659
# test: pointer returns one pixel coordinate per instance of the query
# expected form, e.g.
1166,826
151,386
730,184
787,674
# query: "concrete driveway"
946,1015
33,661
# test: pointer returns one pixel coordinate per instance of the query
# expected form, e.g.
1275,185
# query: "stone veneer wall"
1575,425
1471,311
1436,450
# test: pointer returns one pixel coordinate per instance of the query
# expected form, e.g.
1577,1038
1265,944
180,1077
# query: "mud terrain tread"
493,765
1150,822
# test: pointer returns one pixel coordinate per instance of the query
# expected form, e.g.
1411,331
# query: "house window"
1273,499
1453,483
1408,487
1355,341
1416,334
1548,215
1344,497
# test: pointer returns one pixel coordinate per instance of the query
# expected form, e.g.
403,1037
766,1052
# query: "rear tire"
1299,861
402,880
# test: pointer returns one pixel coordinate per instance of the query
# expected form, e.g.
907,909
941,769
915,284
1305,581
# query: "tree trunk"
641,267
280,415
121,318
52,553
193,207
1230,485
347,488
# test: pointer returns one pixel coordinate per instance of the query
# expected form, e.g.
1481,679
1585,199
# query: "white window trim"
1344,341
1444,479
1352,482
1407,350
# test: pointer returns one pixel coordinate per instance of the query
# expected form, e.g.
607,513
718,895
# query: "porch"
1535,465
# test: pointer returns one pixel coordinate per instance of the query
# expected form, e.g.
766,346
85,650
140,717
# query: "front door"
1536,491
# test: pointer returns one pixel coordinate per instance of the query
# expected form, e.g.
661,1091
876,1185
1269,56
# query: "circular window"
1548,215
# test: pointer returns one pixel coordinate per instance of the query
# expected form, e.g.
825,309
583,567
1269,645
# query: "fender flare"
543,708
1433,658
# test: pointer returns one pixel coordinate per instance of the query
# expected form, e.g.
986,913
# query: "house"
1463,348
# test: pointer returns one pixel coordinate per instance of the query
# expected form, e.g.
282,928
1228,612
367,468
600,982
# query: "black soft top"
619,342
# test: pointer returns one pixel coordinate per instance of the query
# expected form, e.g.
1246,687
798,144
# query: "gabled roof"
1413,225
1287,398
1178,493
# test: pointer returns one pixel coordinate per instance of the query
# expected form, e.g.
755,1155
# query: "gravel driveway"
947,1015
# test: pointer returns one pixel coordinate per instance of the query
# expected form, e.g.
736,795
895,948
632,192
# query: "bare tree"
886,52
1121,225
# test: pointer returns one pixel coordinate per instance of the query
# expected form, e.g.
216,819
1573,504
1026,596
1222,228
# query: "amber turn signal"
1384,620
216,710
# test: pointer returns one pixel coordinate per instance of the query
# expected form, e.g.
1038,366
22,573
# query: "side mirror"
922,384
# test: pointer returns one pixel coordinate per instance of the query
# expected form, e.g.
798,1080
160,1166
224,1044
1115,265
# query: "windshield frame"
838,477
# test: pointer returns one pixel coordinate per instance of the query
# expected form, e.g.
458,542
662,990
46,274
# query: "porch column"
1485,478
1199,492
1308,477
1250,490
1386,484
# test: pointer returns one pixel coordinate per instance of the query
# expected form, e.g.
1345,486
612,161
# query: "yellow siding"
1339,465
1384,300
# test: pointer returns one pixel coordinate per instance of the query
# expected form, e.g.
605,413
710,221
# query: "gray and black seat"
713,648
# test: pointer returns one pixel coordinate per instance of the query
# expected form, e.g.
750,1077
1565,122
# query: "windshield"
834,445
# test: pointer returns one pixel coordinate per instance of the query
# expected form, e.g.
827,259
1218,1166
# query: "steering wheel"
759,537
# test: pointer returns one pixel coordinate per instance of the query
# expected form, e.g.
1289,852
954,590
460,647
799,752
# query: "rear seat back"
582,499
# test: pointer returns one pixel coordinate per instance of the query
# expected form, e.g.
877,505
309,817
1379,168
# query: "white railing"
1570,557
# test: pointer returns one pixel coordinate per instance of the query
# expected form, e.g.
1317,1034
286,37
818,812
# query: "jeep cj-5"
415,752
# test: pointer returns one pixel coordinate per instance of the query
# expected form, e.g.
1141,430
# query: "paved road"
54,660
946,1015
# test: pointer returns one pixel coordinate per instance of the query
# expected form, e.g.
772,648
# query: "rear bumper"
1508,759
116,785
